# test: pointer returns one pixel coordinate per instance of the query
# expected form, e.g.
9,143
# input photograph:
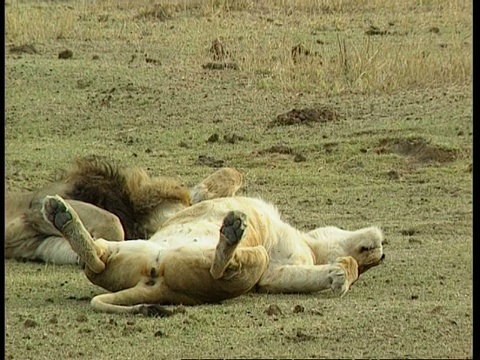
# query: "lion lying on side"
215,250
113,203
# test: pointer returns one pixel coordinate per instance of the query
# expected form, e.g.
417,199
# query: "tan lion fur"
114,202
216,250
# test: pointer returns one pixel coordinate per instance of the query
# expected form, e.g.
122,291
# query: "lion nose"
383,257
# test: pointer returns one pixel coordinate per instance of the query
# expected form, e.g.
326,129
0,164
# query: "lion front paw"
339,283
343,274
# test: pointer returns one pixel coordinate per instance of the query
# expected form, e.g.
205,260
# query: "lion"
114,203
215,250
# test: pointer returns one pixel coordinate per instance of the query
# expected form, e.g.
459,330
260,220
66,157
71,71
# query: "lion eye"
365,248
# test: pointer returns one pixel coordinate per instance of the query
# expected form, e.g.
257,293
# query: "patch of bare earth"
417,150
23,49
157,12
210,161
281,149
306,116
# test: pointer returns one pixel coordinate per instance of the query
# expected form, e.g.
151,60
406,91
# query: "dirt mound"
277,149
299,51
209,161
156,12
307,116
220,66
417,149
281,149
23,49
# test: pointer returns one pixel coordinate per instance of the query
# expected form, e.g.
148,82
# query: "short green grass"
399,156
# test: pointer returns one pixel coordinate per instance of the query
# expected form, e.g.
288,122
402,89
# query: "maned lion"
114,203
215,250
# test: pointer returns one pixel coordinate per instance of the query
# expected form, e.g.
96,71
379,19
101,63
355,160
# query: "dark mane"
129,193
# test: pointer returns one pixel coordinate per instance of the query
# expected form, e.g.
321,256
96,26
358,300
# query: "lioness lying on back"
114,202
215,250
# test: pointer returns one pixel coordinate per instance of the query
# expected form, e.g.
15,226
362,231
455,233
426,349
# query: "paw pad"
234,226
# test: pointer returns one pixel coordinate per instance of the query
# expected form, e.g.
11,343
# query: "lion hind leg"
187,274
224,182
231,232
141,299
64,218
130,301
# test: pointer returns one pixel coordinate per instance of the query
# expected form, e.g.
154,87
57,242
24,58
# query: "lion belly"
202,233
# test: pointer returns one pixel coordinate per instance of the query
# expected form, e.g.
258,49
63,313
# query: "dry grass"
413,44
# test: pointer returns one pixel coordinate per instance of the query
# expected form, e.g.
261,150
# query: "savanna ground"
346,112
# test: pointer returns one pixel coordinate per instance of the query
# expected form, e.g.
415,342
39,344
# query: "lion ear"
370,236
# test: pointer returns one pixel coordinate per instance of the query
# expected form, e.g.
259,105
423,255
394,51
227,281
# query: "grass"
407,50
399,155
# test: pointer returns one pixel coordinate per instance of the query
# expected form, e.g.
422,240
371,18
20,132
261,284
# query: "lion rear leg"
231,232
187,274
140,299
224,182
64,218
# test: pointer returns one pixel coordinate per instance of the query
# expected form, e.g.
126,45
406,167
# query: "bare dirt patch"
306,116
282,149
65,54
23,49
158,12
228,138
220,66
417,149
299,51
300,335
277,149
209,161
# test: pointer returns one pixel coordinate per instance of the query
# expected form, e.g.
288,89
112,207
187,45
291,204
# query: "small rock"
298,309
65,54
408,232
82,318
213,138
299,158
29,323
273,310
393,175
413,240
